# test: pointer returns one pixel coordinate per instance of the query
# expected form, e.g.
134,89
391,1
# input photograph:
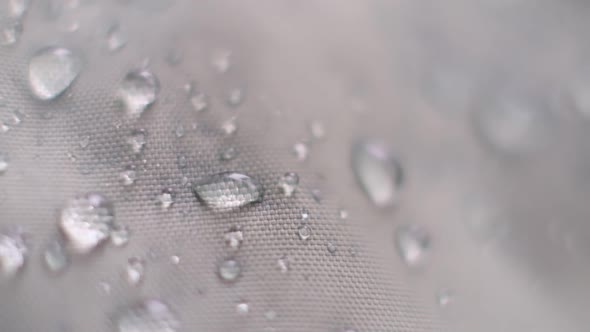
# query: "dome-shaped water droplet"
413,244
134,271
377,172
147,316
86,222
343,214
331,248
166,199
127,177
301,151
52,70
13,252
288,183
179,130
120,235
10,32
444,297
304,232
228,153
138,91
234,238
55,257
243,308
283,264
115,39
199,101
228,190
175,259
3,163
229,270
137,141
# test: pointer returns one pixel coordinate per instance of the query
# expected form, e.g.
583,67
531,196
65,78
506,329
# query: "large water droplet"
304,232
377,172
229,270
137,141
134,271
115,39
3,163
234,238
288,183
55,257
13,252
10,32
228,190
138,91
52,70
148,316
413,244
86,222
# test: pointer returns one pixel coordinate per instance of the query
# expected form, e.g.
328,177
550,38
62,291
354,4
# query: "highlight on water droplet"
413,244
52,70
243,308
138,91
228,190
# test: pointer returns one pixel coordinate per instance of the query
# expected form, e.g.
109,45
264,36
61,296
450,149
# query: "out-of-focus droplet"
135,271
243,308
230,126
283,264
137,141
317,130
228,190
14,8
331,248
221,61
127,177
138,91
199,101
316,194
229,270
55,257
173,57
120,235
444,297
343,214
52,70
270,315
105,287
10,32
304,232
147,316
175,259
4,161
234,238
179,130
235,97
165,199
13,252
378,173
301,151
288,183
228,153
86,222
115,39
413,244
304,214
84,141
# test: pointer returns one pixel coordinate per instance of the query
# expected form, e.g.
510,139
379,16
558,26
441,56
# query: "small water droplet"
288,183
230,126
199,101
13,252
55,257
301,151
166,199
138,91
84,141
175,260
10,32
182,161
316,194
444,297
115,39
228,190
331,248
229,270
304,232
235,97
120,235
135,271
147,316
86,221
127,177
270,315
234,238
243,308
228,153
179,130
52,70
4,161
413,244
317,130
343,214
378,173
221,61
283,264
137,141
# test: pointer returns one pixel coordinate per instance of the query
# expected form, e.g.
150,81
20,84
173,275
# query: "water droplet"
378,173
331,248
317,130
55,257
84,141
235,97
343,214
221,61
304,232
316,194
288,183
134,271
444,297
4,128
230,126
228,153
174,259
10,32
86,222
120,235
301,151
13,252
199,101
179,130
234,238
305,214
115,39
137,141
166,199
138,91
127,177
228,190
3,163
147,316
283,264
413,244
229,270
14,8
52,70
243,308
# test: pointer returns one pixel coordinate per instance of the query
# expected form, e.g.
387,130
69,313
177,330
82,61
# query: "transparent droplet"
137,141
199,101
55,257
331,248
179,130
138,91
120,235
4,161
166,199
228,153
52,70
234,238
135,271
229,270
228,190
13,252
175,259
243,308
127,177
115,39
230,126
10,32
221,61
283,264
378,173
444,297
304,232
301,151
288,183
413,244
147,316
304,214
235,97
86,222
317,130
84,141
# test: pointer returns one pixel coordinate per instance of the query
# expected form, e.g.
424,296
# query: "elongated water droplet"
166,199
55,257
138,91
283,264
115,39
228,190
120,235
229,270
301,151
52,70
288,183
304,232
228,153
413,244
13,252
86,222
147,316
378,173
234,238
3,163
10,32
199,101
134,271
